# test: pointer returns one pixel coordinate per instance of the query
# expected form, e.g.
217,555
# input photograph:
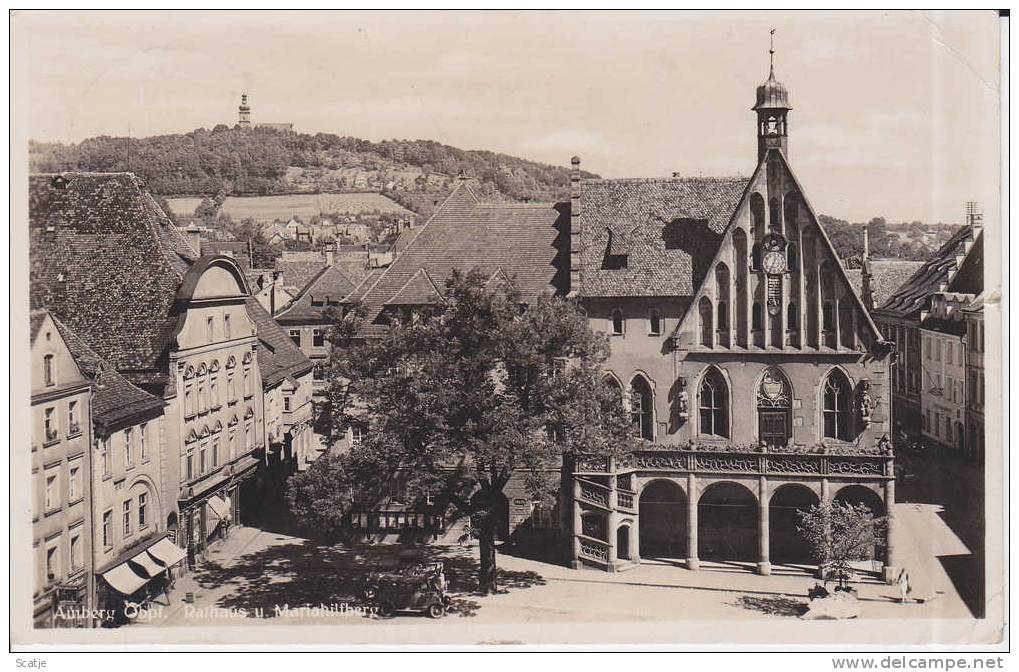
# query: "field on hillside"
285,206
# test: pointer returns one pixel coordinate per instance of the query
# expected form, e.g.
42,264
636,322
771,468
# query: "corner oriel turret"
772,109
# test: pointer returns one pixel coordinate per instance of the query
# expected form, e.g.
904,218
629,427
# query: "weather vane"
771,51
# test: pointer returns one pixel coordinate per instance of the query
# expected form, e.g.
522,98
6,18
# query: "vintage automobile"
420,588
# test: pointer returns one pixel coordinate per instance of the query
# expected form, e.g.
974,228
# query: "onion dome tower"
244,112
772,109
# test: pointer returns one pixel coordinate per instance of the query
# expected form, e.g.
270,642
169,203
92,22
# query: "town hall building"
752,370
749,364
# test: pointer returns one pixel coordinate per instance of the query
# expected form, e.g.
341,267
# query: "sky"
895,114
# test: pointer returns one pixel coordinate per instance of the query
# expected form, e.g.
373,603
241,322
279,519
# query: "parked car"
419,588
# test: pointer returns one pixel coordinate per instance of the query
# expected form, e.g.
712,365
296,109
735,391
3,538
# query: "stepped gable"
522,239
652,237
935,275
107,262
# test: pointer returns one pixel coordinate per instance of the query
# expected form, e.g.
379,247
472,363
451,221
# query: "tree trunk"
486,546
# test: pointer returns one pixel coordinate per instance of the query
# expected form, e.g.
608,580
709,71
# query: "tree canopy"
458,398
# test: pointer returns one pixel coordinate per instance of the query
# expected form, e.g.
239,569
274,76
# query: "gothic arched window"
713,404
642,404
774,408
837,404
707,337
757,319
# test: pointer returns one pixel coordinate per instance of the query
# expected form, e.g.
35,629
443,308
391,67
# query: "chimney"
330,256
194,236
575,232
866,278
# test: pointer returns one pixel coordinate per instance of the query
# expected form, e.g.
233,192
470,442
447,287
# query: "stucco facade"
60,492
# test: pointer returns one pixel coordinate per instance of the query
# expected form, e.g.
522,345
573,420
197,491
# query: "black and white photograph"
508,328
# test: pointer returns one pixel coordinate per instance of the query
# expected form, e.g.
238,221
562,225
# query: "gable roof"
935,275
419,291
666,229
887,275
332,283
115,401
298,273
523,239
106,260
278,356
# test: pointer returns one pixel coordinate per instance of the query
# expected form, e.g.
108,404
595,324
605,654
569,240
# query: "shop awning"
167,552
124,579
220,507
148,564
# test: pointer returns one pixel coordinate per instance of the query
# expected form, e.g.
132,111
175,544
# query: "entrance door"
774,427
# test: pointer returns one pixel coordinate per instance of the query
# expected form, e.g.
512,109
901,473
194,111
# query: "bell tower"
772,109
244,112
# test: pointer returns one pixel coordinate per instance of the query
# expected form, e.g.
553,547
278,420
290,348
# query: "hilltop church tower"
772,109
244,112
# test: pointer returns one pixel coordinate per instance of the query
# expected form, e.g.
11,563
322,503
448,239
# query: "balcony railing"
831,460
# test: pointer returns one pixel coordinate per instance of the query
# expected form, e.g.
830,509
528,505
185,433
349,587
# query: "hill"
264,161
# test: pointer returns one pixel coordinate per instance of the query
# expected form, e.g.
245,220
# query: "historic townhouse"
975,390
943,355
179,326
130,553
750,366
60,492
956,267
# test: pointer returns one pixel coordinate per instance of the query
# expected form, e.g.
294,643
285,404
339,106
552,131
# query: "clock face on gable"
774,262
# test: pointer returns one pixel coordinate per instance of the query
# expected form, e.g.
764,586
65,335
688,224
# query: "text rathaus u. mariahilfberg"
750,366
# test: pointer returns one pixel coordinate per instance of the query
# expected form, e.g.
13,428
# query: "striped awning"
124,579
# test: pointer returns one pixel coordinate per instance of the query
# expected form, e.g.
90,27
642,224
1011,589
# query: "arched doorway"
642,405
623,542
727,523
787,545
857,495
662,520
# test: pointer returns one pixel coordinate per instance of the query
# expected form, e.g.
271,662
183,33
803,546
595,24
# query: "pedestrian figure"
904,587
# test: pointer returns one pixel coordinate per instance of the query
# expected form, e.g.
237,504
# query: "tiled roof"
35,319
105,259
523,239
278,356
234,248
115,400
332,284
914,295
652,237
297,274
357,294
419,291
887,275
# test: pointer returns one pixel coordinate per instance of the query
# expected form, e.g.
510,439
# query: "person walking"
904,587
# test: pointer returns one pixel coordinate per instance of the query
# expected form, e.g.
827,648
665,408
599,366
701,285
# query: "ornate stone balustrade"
624,500
593,492
593,549
836,461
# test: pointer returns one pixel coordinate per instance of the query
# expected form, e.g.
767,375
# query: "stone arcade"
752,370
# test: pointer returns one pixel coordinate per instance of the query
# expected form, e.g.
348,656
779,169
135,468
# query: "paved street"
270,575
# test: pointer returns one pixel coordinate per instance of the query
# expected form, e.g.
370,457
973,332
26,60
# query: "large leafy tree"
460,397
